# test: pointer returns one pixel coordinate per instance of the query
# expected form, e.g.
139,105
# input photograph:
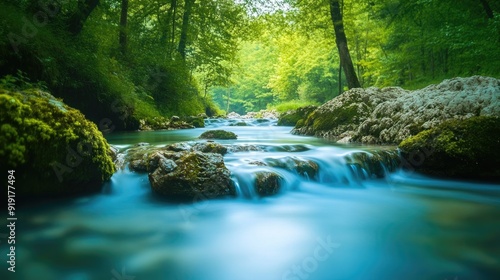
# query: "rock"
178,147
291,117
233,115
54,149
175,119
210,147
374,164
243,148
303,167
466,149
203,115
390,115
267,183
218,134
113,152
195,121
142,144
239,124
195,175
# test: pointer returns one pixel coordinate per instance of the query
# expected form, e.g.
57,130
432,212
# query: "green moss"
52,147
329,120
218,134
290,118
195,121
457,148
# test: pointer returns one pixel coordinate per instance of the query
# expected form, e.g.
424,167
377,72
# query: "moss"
52,147
290,118
458,148
218,134
325,121
195,121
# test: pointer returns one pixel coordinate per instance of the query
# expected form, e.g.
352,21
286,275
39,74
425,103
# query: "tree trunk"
168,37
123,27
188,7
487,8
341,41
77,20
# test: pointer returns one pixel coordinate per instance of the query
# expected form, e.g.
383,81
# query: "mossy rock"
195,175
218,134
466,149
196,121
210,147
291,118
374,164
303,167
239,124
267,183
54,149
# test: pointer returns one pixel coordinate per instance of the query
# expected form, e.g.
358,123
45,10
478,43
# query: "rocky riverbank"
390,115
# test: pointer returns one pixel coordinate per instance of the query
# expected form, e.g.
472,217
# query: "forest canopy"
129,60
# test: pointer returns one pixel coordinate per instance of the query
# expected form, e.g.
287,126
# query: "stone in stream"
194,175
303,167
210,147
373,164
218,134
267,183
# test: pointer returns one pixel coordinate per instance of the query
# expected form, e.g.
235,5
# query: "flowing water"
342,224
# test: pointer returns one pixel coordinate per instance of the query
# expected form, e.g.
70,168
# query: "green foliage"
52,146
290,105
457,148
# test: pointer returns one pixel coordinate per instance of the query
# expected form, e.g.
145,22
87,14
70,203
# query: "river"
340,225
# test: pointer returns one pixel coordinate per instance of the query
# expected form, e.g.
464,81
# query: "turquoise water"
338,226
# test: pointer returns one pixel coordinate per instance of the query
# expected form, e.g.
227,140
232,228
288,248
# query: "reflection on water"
401,227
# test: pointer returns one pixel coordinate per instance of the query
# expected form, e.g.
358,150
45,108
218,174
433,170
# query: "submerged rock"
374,164
458,148
218,134
194,175
303,167
390,115
52,147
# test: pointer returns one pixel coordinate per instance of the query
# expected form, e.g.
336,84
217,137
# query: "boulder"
194,175
196,121
218,134
291,117
210,147
390,115
233,115
52,147
267,183
465,149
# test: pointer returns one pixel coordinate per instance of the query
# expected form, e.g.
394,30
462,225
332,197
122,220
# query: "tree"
341,41
188,7
78,18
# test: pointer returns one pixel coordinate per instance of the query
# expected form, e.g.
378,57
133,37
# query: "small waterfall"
240,122
283,168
